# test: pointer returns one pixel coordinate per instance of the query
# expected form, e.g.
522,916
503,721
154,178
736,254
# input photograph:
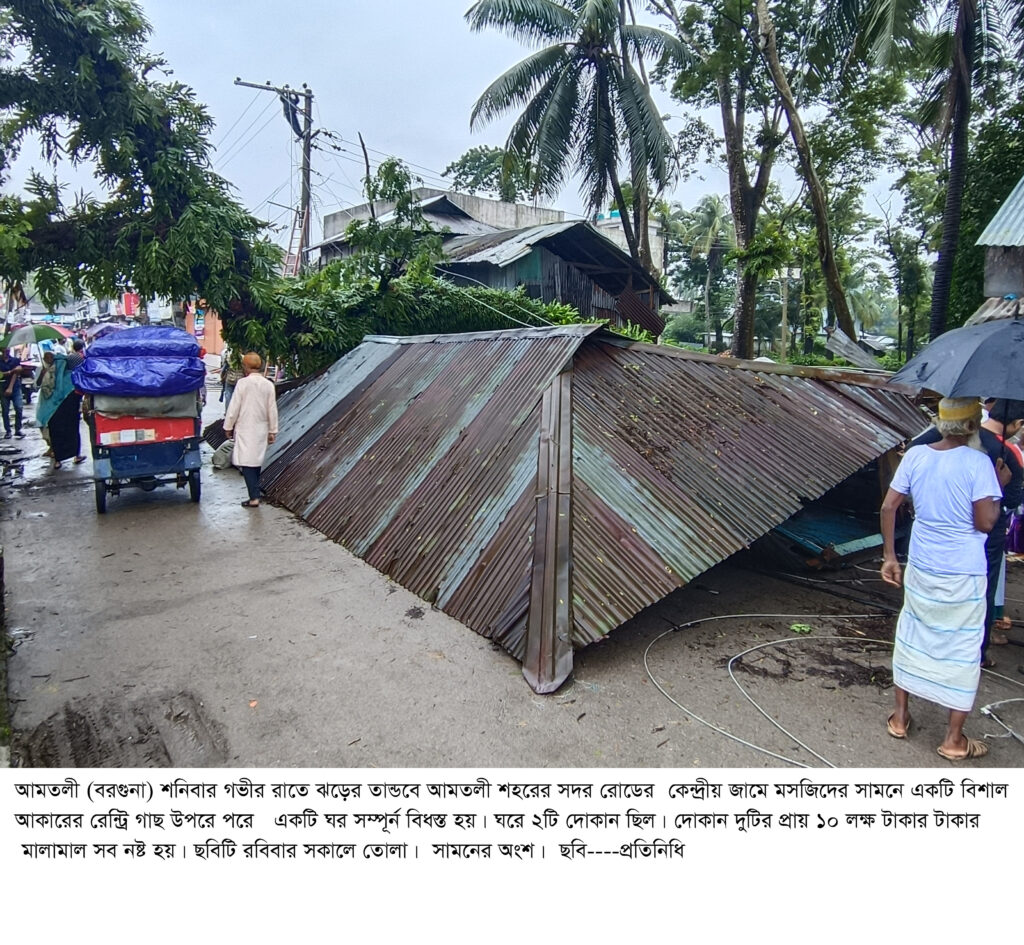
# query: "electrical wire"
227,134
437,175
241,149
788,640
711,725
460,275
783,642
234,144
498,311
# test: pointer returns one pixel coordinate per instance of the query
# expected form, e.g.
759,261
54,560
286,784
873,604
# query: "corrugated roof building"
1004,257
545,485
569,262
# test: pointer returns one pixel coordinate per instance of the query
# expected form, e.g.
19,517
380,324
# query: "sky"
403,73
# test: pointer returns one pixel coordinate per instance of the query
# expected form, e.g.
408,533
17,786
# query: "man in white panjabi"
251,421
956,494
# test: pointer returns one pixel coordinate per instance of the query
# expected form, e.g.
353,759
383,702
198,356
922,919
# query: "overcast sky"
404,73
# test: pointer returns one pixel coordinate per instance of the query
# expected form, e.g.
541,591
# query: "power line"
241,149
435,177
242,134
227,133
460,275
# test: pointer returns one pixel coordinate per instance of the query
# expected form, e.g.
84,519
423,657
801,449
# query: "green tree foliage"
76,78
404,243
719,66
385,286
495,170
966,45
995,164
709,234
308,323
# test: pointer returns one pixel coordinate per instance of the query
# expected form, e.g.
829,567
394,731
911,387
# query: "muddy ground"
169,633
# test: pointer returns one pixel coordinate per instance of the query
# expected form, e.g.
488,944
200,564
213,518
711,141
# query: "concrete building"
458,214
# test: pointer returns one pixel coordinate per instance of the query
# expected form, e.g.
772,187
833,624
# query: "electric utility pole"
304,132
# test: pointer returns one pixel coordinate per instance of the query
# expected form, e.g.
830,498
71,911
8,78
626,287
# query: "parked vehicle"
144,394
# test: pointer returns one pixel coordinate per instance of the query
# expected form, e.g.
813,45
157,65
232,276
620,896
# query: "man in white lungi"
956,493
251,421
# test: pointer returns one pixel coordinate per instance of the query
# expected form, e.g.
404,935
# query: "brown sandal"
975,749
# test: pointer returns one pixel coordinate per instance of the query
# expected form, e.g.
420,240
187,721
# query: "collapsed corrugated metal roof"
1006,228
545,485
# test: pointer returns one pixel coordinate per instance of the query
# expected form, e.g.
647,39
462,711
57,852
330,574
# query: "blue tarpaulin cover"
142,362
146,341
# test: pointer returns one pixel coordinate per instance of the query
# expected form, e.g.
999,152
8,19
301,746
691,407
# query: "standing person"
1005,419
60,414
231,374
251,420
46,381
956,493
11,369
77,355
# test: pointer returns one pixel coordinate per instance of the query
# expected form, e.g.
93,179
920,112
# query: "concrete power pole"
289,98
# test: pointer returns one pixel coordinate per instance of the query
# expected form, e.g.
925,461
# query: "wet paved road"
166,632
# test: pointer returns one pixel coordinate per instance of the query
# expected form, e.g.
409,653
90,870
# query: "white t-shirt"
944,485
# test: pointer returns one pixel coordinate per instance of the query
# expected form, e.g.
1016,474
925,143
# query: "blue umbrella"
980,361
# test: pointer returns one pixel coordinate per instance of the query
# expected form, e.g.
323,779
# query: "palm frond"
529,21
549,153
522,137
598,21
659,44
598,147
650,144
516,86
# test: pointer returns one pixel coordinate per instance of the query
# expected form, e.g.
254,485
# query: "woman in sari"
59,413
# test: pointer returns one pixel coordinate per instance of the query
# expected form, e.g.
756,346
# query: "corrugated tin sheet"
1006,228
992,309
634,309
574,240
543,486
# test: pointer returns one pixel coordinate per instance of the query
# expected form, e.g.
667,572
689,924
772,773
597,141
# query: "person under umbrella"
11,370
957,494
1005,420
60,413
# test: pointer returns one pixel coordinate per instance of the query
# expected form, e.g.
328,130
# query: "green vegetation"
76,78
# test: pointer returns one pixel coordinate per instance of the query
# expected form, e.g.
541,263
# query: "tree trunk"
707,306
964,43
743,323
819,205
785,315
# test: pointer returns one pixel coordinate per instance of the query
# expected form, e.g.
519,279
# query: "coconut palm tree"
709,233
580,96
970,42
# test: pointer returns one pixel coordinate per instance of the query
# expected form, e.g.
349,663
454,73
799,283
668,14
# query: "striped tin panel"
441,461
1006,228
678,463
430,473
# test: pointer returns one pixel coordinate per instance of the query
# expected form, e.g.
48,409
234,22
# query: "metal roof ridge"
876,379
539,331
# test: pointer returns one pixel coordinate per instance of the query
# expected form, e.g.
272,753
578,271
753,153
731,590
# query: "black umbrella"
980,361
